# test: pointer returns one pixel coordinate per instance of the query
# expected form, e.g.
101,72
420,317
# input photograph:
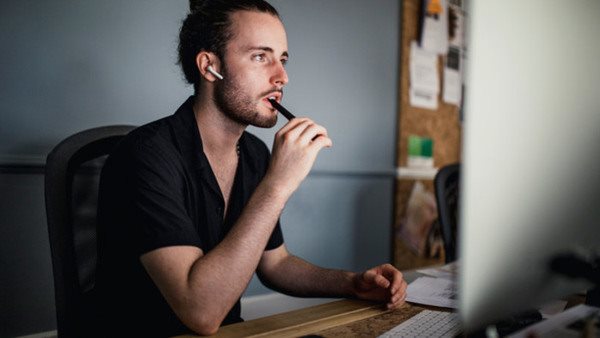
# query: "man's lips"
275,94
276,97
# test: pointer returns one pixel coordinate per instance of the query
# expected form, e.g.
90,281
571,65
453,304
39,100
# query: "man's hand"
295,149
382,283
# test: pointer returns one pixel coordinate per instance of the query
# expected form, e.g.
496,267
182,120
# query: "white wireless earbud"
214,72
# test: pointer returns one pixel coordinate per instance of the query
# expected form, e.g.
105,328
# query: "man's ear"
203,61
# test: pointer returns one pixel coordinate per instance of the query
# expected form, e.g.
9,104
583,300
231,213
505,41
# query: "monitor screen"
530,179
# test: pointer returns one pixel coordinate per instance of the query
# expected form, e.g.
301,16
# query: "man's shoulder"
153,135
161,133
149,145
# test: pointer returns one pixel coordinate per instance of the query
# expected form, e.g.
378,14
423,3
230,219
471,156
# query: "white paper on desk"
424,79
448,271
439,292
552,308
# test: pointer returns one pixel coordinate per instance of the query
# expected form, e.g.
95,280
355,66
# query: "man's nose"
280,77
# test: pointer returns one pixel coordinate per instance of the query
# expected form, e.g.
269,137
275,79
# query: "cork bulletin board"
443,126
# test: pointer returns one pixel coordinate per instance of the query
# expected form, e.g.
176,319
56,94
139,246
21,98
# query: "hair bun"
196,5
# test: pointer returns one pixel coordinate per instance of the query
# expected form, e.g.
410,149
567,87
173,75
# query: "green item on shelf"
420,146
414,145
426,147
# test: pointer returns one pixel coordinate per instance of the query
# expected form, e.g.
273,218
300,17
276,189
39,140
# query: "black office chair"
446,186
71,189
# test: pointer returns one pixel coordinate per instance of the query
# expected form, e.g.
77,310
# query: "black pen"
281,109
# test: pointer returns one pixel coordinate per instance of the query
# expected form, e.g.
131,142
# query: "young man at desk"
189,205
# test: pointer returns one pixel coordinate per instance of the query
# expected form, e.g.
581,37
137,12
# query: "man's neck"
219,133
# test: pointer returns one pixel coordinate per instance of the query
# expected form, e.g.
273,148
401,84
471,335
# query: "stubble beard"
238,105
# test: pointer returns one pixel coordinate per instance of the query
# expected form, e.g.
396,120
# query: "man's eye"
259,57
284,61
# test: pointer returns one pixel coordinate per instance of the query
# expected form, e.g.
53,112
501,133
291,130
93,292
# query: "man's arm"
202,288
291,275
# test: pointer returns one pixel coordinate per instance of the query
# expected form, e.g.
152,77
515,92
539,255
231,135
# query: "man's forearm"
291,275
297,277
224,272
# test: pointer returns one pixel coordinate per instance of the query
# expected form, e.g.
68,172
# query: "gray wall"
69,65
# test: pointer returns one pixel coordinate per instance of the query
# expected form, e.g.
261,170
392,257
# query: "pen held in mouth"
281,109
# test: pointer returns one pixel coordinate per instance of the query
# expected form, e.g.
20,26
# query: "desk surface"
343,318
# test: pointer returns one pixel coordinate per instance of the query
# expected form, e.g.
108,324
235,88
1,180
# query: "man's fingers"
292,124
396,297
312,131
391,274
321,142
372,277
305,131
293,129
397,301
396,278
385,283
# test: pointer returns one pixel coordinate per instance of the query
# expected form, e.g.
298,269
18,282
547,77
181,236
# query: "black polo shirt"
157,189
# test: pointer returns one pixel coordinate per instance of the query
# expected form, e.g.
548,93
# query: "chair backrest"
71,189
446,186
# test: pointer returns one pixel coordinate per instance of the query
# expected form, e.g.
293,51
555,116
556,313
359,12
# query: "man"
189,204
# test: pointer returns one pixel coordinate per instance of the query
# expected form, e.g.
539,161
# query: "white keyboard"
427,323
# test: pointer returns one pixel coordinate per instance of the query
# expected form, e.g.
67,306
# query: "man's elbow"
207,330
204,325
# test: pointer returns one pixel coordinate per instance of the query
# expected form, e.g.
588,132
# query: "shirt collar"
184,129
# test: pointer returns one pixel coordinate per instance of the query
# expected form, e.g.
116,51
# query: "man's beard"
237,105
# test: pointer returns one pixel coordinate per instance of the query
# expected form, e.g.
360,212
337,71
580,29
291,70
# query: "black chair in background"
446,186
71,192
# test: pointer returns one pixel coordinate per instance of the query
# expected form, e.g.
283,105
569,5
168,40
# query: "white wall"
68,65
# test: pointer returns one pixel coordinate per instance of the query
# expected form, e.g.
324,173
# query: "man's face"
253,69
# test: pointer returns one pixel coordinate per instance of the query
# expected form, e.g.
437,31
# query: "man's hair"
208,28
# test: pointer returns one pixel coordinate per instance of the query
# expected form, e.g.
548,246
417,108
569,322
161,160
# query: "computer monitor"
530,179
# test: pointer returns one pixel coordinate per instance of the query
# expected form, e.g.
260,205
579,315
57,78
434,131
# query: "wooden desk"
343,318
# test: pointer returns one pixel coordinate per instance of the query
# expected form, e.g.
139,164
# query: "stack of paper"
441,292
